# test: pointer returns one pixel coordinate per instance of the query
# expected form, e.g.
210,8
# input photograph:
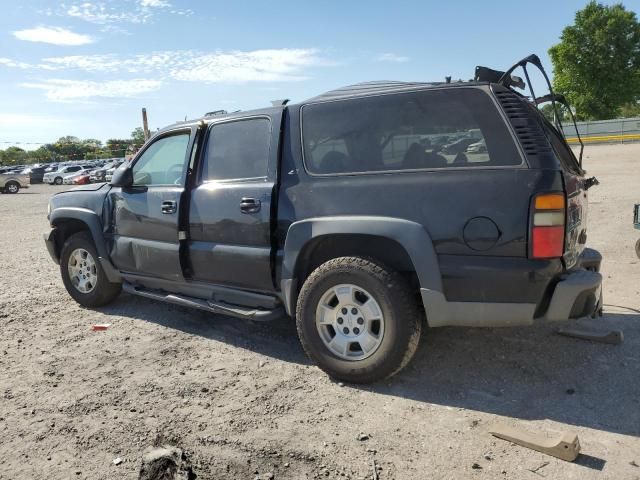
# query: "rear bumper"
577,293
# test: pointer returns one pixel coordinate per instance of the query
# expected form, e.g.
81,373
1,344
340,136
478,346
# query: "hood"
90,187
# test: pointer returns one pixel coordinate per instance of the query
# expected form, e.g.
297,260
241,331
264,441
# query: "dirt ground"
244,402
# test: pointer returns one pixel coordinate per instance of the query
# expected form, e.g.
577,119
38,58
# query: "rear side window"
563,152
237,150
447,128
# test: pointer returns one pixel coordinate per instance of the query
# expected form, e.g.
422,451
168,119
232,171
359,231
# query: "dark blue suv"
367,213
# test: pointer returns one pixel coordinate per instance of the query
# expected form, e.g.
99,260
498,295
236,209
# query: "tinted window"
163,162
456,127
237,150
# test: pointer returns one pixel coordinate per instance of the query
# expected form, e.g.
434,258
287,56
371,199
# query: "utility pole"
145,125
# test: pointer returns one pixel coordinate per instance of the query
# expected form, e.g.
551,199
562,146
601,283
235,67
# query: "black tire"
638,248
402,319
104,291
12,187
58,181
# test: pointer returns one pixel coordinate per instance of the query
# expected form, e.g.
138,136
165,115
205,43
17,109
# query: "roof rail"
215,113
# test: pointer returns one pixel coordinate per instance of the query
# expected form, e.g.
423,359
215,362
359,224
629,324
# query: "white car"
57,177
478,147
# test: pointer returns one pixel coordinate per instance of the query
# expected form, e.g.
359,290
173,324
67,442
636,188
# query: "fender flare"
94,225
410,235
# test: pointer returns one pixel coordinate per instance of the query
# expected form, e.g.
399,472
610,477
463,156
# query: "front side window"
237,150
163,162
444,128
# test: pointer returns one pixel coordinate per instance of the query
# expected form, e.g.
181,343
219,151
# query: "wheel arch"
401,244
70,220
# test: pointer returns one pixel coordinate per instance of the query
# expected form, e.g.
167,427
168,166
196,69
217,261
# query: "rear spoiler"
484,74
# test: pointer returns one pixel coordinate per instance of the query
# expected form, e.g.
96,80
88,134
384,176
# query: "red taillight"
547,230
548,242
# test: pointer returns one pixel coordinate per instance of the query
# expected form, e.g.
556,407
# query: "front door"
145,215
230,209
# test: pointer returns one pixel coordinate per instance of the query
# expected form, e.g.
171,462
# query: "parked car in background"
99,175
109,173
71,179
458,146
57,177
13,182
82,178
478,147
36,174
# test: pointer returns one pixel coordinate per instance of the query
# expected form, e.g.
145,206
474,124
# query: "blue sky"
86,68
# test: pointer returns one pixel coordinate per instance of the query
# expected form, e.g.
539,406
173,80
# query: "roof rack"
215,113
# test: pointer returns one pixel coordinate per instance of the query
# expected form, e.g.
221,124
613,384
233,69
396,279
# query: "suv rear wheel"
358,320
12,187
82,273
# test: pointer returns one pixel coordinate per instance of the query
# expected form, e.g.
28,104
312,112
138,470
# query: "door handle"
169,206
250,205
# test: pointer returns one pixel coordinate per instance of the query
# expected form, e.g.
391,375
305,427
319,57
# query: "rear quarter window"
441,128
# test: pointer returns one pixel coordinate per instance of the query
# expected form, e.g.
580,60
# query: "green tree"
629,110
597,62
13,156
138,136
118,147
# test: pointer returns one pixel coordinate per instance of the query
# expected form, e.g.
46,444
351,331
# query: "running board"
222,308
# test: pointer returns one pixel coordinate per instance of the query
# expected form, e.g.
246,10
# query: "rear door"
231,203
145,215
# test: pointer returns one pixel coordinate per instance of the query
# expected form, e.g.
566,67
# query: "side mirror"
122,176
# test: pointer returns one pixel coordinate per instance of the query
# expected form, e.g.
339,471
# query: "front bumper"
50,242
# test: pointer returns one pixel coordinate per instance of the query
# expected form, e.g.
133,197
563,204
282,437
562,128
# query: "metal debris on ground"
117,461
375,469
565,446
100,326
613,337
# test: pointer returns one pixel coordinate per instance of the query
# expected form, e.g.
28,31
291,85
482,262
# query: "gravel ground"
243,401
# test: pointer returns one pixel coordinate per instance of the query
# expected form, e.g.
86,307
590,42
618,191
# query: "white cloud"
105,13
60,90
101,13
154,3
274,65
53,35
285,64
392,57
258,65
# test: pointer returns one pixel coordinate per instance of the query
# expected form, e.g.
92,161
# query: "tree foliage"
597,62
73,148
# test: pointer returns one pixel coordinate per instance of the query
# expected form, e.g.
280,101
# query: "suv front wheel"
82,274
358,320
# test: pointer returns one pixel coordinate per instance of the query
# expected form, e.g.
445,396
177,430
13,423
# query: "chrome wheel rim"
82,270
13,188
350,322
